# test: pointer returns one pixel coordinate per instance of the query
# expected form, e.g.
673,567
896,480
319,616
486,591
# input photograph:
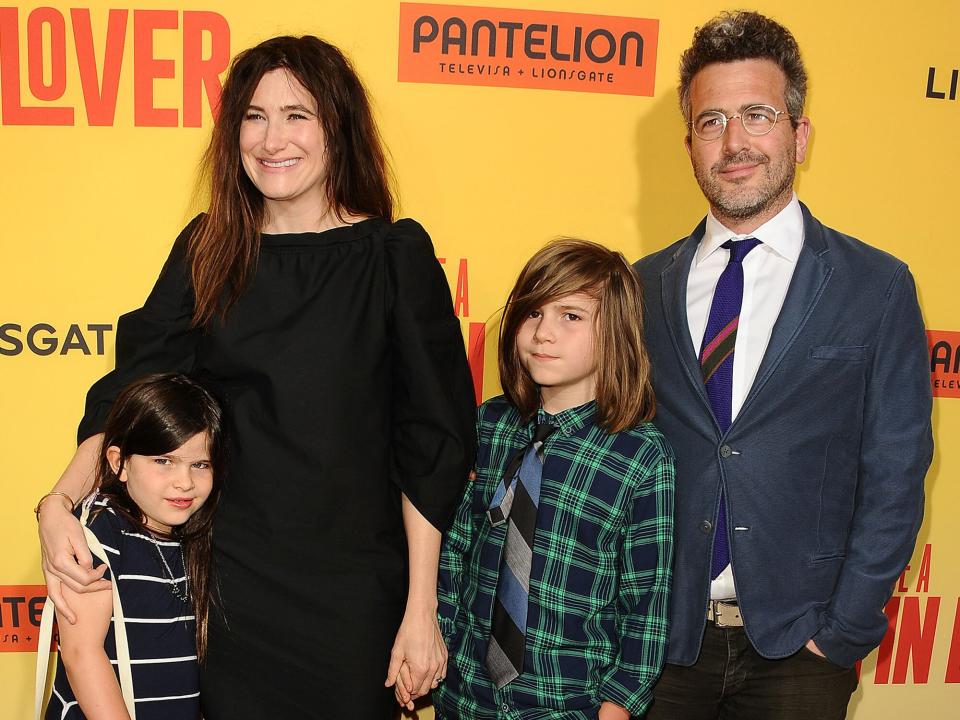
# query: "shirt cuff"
447,626
614,689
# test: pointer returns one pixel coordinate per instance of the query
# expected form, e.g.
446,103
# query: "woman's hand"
66,557
418,661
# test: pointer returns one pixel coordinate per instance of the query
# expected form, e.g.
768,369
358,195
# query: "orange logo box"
944,362
537,49
20,609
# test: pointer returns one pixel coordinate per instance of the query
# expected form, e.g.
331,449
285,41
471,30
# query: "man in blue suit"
792,378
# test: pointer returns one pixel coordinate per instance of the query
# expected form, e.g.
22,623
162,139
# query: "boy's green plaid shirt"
599,584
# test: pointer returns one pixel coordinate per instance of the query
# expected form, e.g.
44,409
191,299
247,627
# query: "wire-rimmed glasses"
756,120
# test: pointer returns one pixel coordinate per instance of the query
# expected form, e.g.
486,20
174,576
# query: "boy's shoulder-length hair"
564,267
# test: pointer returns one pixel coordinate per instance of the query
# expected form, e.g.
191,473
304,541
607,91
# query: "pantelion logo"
944,362
535,49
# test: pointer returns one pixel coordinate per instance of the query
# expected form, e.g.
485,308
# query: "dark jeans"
731,681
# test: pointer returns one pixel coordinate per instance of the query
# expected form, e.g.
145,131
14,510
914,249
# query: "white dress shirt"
767,271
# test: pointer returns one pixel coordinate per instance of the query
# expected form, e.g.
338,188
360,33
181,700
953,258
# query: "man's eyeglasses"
756,120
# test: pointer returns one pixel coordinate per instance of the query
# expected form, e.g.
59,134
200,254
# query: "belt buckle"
724,614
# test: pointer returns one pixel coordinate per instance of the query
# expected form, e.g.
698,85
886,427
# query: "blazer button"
706,526
725,451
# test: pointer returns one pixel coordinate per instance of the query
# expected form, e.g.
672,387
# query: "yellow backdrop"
105,113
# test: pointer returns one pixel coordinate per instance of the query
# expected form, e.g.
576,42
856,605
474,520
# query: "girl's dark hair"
224,247
564,267
155,416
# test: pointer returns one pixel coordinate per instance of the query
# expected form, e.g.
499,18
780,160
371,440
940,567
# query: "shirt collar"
783,234
570,420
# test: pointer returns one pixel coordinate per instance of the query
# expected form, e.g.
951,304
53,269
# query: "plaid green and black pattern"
600,579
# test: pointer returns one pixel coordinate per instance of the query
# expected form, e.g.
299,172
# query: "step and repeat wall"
565,123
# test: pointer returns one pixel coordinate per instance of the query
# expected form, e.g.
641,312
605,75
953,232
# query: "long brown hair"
564,267
224,247
154,416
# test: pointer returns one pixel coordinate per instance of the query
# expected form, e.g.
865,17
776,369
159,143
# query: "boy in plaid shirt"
555,576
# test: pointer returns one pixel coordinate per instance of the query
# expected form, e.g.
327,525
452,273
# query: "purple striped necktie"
716,365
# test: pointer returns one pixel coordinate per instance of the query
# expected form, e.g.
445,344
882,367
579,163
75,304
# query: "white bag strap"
119,632
43,655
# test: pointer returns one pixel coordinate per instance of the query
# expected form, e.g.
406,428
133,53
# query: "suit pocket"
850,353
808,654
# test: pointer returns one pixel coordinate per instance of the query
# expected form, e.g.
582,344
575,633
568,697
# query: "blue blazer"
823,467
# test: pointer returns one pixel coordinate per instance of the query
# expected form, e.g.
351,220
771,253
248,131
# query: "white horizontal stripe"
159,621
169,697
158,661
152,578
151,540
110,549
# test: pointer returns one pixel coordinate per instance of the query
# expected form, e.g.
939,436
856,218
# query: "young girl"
157,483
555,576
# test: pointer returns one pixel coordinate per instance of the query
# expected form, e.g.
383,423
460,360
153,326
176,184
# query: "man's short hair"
744,35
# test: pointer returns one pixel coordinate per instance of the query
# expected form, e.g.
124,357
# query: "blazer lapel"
673,288
807,285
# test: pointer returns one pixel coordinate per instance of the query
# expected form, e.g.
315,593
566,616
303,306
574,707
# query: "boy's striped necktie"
515,503
716,365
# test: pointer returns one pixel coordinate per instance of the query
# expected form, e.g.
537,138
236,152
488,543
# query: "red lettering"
58,54
199,73
916,643
923,577
20,609
46,70
902,582
147,68
14,113
99,91
461,305
476,345
881,676
953,661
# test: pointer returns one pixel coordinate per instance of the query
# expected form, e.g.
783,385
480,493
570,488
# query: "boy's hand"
612,711
400,692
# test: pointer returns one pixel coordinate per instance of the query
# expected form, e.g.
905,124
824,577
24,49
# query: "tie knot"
542,431
739,248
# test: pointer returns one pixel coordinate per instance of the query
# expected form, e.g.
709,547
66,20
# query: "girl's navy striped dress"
160,624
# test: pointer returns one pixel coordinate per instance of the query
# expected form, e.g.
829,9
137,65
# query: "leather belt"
724,613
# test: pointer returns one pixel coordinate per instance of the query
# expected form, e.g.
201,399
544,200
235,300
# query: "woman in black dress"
328,331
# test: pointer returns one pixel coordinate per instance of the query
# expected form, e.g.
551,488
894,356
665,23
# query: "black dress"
344,375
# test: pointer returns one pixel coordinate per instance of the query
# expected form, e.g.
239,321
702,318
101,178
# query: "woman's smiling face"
282,144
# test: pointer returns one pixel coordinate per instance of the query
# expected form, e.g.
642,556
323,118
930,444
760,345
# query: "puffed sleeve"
433,404
156,338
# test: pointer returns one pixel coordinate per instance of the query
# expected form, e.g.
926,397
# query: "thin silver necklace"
174,584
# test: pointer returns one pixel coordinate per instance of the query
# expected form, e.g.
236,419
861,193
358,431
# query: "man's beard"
776,179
